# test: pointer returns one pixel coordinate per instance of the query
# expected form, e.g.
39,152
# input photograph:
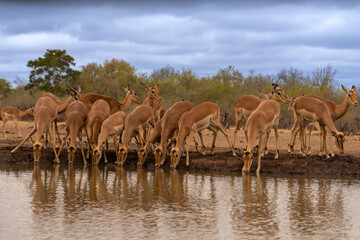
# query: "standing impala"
245,105
154,137
44,114
169,128
336,112
98,113
113,126
265,117
137,122
15,114
90,98
204,116
76,119
155,103
314,110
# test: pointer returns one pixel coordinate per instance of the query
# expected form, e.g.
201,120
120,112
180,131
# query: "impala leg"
237,126
261,140
89,133
196,144
324,139
294,131
215,131
63,142
266,140
221,128
53,140
166,153
18,132
321,150
115,146
3,127
276,142
107,149
302,141
330,144
25,139
202,143
311,127
187,142
82,148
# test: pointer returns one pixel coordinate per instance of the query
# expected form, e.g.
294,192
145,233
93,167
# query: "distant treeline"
223,88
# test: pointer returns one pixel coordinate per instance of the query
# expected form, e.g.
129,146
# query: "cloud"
204,36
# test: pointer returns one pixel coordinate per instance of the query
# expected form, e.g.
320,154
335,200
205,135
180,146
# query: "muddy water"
60,202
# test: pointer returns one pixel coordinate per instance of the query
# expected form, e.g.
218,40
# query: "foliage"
223,88
5,87
50,72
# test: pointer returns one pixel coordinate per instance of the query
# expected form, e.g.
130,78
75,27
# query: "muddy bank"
221,161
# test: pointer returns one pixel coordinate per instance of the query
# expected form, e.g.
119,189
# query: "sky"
204,36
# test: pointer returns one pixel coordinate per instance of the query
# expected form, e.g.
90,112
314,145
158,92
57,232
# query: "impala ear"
344,88
145,86
353,88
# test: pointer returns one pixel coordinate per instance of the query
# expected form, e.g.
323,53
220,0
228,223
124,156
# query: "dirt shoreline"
347,164
221,161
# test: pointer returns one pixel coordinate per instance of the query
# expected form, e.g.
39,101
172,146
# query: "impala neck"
25,113
341,109
126,103
63,105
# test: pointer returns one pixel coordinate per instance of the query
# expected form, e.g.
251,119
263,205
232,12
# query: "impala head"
75,94
37,146
278,94
247,156
30,111
132,95
351,95
339,140
96,155
142,156
159,151
153,92
291,102
71,154
263,95
122,153
174,157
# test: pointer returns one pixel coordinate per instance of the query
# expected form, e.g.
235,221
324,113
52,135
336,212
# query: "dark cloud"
201,35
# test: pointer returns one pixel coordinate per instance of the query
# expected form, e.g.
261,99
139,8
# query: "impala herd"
168,133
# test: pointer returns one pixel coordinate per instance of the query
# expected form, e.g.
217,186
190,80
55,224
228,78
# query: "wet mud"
221,161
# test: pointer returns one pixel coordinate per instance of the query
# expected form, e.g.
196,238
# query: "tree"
51,71
5,87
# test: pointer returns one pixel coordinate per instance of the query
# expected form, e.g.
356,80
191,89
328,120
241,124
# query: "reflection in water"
110,202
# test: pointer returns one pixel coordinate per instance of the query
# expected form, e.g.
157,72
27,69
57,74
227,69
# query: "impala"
203,116
265,117
15,114
98,113
137,122
315,110
169,128
245,105
153,102
76,119
61,106
90,98
154,137
44,114
113,126
336,112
